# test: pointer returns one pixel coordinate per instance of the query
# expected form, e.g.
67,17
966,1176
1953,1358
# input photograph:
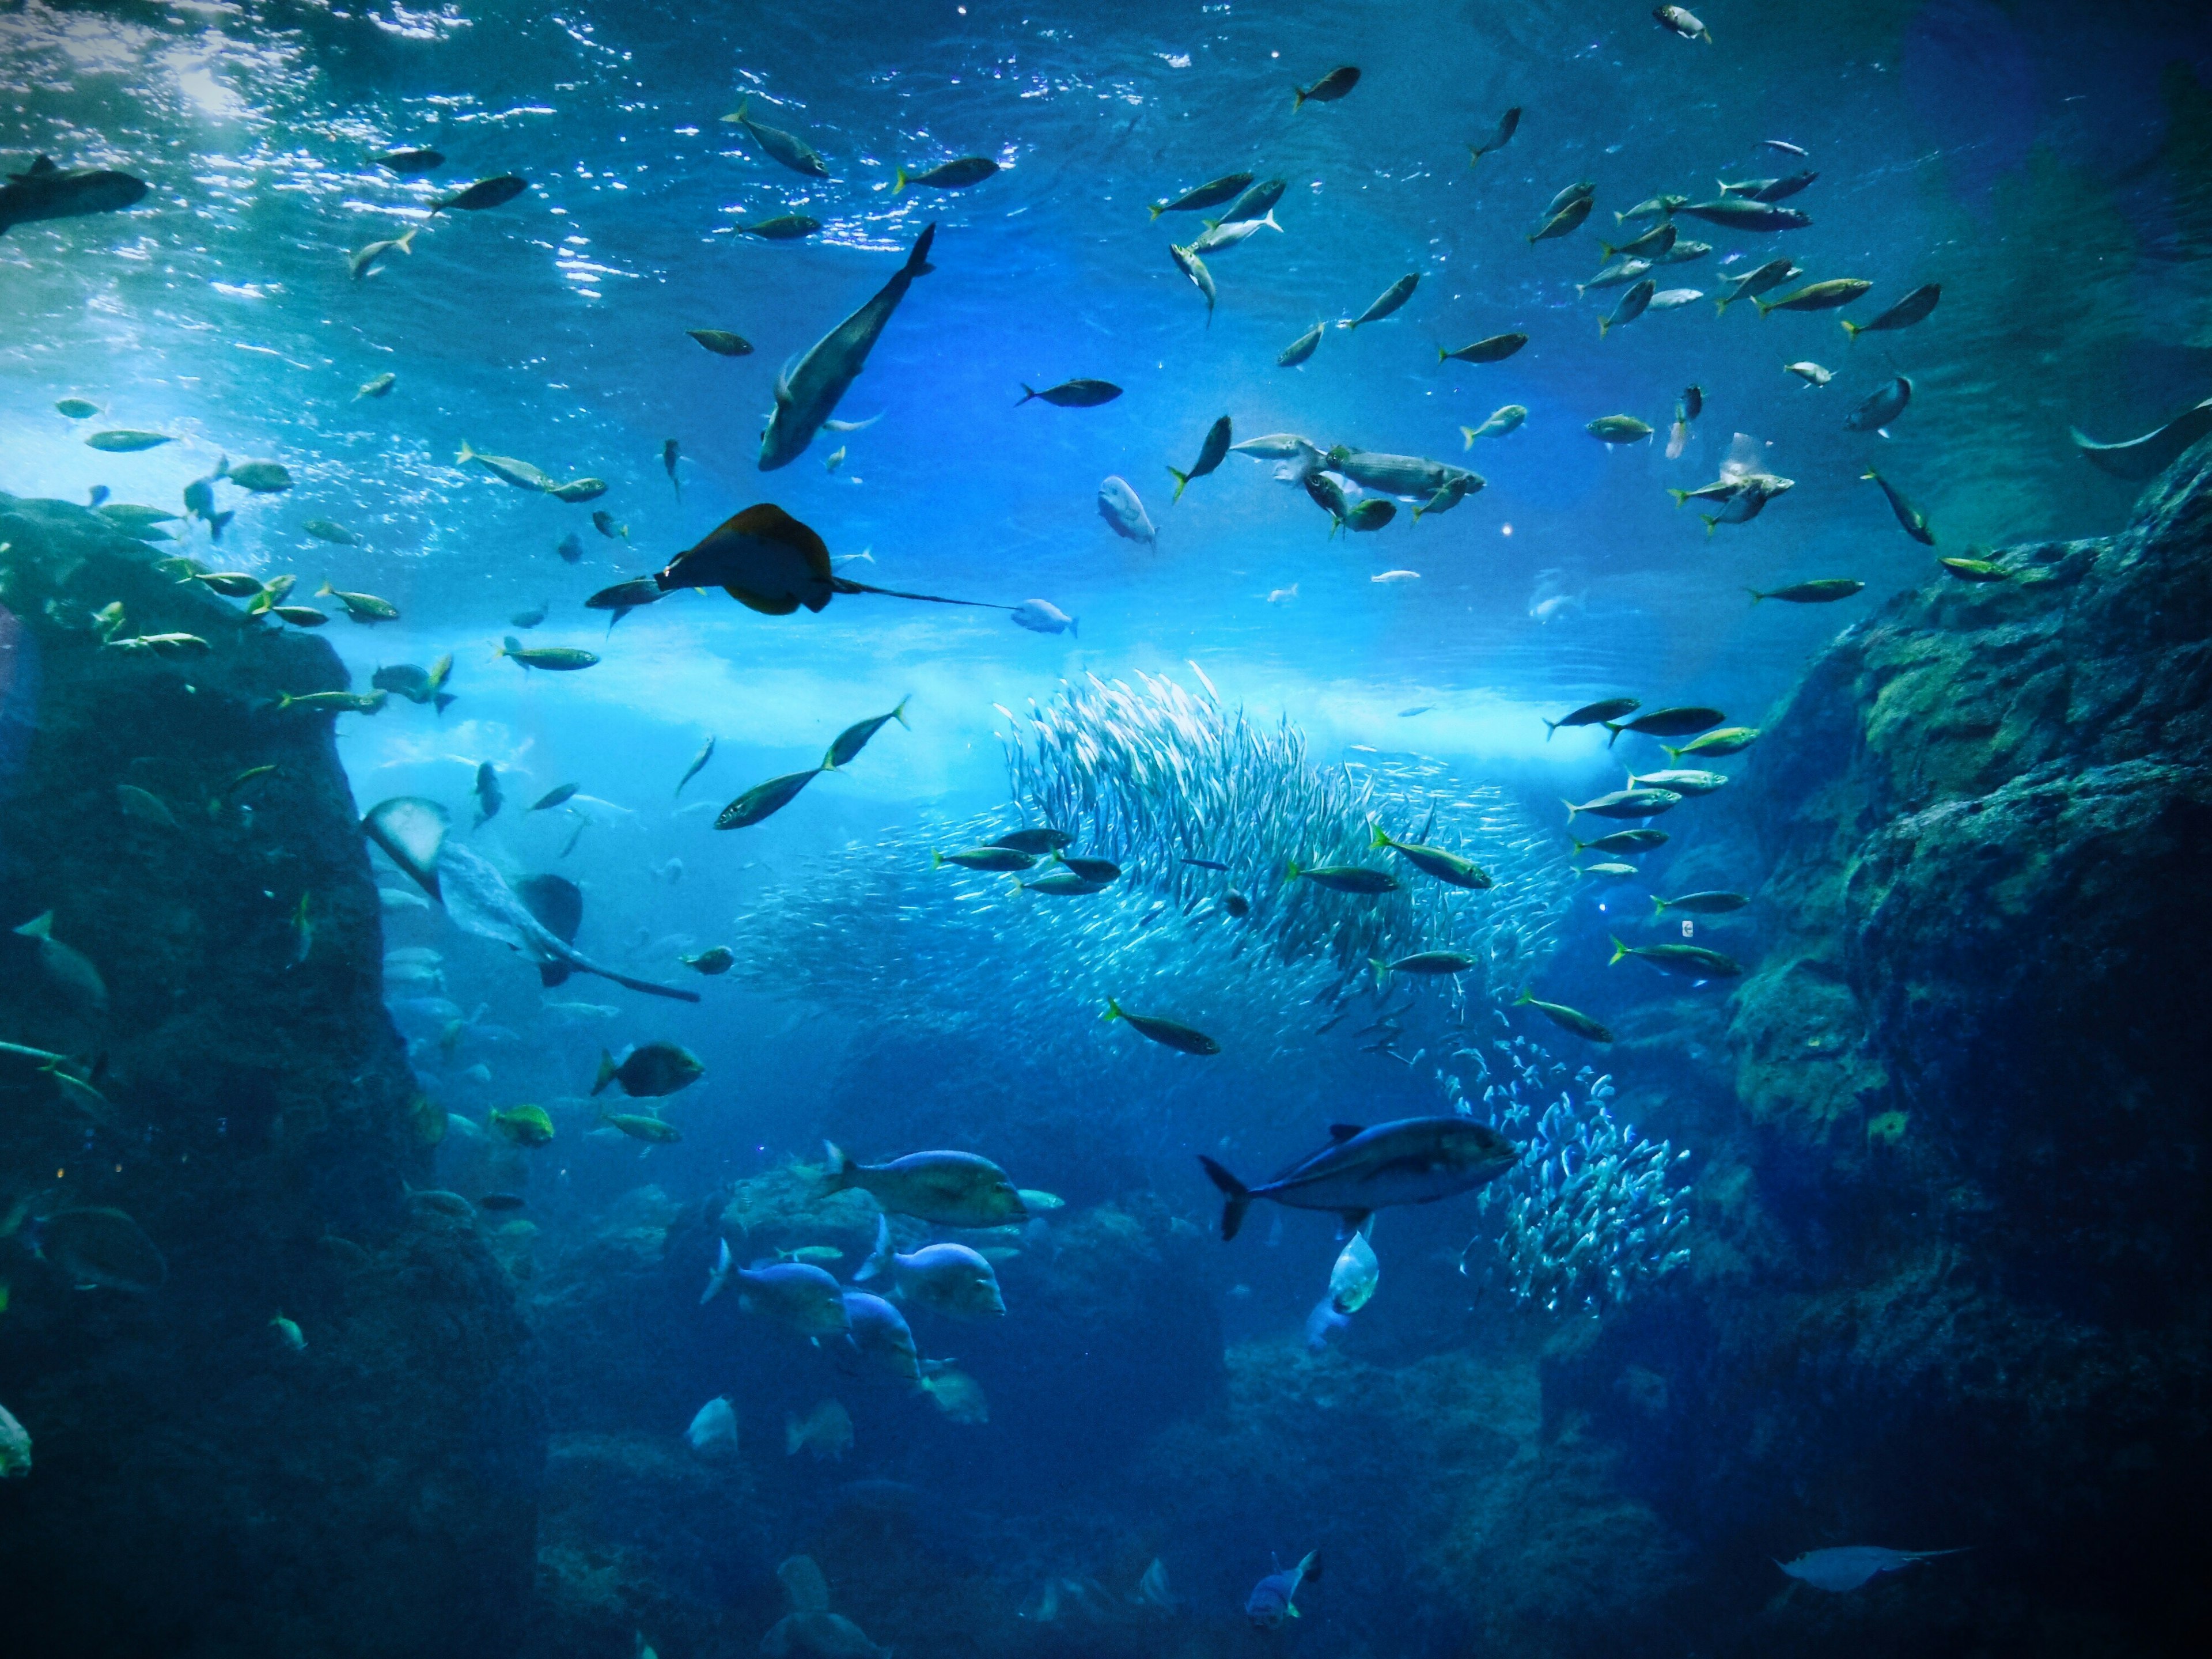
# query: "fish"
145,806
1729,740
797,1294
489,797
1371,515
643,1126
530,618
1817,296
1118,505
1301,349
289,1333
624,598
1500,422
68,969
376,385
1353,1278
824,1433
1327,90
1884,404
1975,570
1627,803
1502,135
604,522
1618,429
1387,302
945,1188
484,193
1066,884
1850,1565
834,459
1618,274
783,227
554,797
578,490
1768,189
1622,840
45,191
1102,871
1603,713
1002,861
1043,616
1444,964
764,800
1753,283
1825,590
1656,207
231,584
1039,840
1910,518
1343,878
125,441
1741,213
1213,193
854,738
521,474
1700,904
698,765
169,645
792,151
76,409
1454,869
1905,312
721,341
558,659
1210,455
1221,238
948,1278
806,395
1691,961
1566,1018
328,530
1417,1160
1676,21
1677,722
1455,490
1073,394
96,1245
1809,372
1682,782
1192,266
714,1430
1168,1033
878,1331
14,1446
957,175
1393,475
367,259
1328,494
1631,306
410,163
1563,220
1495,349
417,684
1785,146
522,1126
1651,245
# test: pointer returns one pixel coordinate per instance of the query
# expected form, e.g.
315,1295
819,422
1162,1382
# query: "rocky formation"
202,1487
1955,1283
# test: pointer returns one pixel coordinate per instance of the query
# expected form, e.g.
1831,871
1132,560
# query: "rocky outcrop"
202,1487
1956,1283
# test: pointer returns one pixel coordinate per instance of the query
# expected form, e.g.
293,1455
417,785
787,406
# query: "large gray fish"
43,190
1414,1160
951,1189
1393,475
807,395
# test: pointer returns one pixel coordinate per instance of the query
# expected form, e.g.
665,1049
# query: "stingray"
476,896
769,562
1851,1565
2143,458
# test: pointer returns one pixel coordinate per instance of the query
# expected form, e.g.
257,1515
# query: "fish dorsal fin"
39,166
1345,1131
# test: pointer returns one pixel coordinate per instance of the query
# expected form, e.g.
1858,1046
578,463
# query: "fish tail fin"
405,240
1711,521
1113,1010
1673,753
1763,306
1616,731
1756,596
606,1074
216,524
1290,870
936,859
1721,305
1571,808
1237,1197
1870,476
1297,98
1182,480
836,1169
1550,727
878,1264
1658,907
899,713
1381,838
899,183
1526,997
1603,324
466,455
1381,972
325,589
1853,328
1620,952
1156,208
1680,496
221,469
1027,393
1310,1569
1610,250
39,926
917,262
444,699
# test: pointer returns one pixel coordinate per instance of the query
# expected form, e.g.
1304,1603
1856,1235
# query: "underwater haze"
995,830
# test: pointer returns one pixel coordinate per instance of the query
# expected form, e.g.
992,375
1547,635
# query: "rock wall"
200,1487
1953,1288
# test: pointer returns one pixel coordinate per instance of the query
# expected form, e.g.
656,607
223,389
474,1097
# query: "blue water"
2046,163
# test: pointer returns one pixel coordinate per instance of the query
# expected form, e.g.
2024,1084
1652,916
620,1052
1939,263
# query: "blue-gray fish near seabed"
1414,1160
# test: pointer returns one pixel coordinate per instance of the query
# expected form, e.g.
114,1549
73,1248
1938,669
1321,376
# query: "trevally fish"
1415,1160
806,395
1274,1598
